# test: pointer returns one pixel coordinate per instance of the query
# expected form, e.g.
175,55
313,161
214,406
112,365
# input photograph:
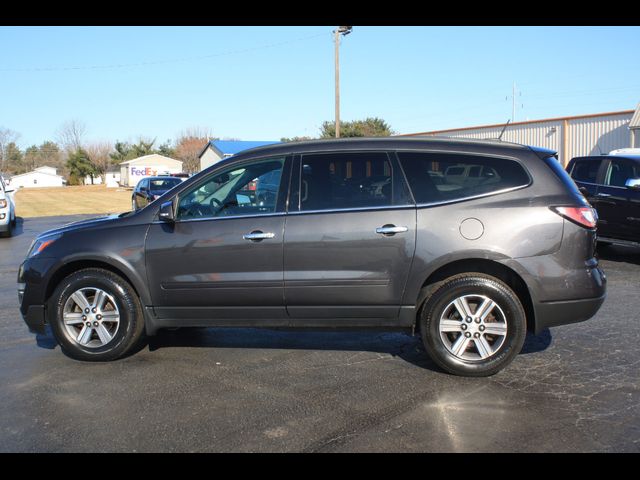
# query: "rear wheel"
95,315
473,325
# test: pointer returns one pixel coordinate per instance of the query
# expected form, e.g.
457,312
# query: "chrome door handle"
257,235
390,230
603,195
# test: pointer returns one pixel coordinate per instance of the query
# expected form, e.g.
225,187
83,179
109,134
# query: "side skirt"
404,321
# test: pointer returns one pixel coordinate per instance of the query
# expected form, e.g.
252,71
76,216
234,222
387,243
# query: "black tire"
439,302
130,331
9,232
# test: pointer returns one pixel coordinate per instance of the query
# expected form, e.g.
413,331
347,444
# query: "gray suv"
468,243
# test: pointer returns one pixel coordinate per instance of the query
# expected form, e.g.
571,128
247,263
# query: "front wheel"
473,325
95,315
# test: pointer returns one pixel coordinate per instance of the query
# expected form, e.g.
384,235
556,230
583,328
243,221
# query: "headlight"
40,243
3,203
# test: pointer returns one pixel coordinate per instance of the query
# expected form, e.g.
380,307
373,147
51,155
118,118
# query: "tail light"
584,216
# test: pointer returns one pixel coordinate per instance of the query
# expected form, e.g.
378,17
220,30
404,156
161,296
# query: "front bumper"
4,221
35,318
32,292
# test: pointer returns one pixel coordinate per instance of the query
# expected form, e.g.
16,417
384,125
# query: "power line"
160,62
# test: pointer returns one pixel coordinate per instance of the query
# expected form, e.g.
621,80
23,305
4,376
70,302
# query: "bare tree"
7,136
71,135
189,144
196,132
99,155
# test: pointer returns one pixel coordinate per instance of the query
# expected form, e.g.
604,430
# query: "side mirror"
633,183
166,212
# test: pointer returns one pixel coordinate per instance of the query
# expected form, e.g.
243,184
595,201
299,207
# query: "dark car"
149,189
611,184
333,234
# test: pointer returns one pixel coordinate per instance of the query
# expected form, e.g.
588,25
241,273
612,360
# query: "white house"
112,177
97,180
132,171
39,177
216,150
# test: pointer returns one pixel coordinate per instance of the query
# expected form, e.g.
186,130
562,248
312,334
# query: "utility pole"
513,103
339,31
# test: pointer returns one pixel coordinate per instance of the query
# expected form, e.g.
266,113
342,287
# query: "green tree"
31,158
167,149
122,152
50,154
295,139
80,166
143,147
369,127
127,151
13,159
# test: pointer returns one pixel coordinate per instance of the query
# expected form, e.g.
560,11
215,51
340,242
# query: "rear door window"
586,170
339,181
438,177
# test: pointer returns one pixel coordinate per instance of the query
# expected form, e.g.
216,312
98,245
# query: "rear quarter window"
442,177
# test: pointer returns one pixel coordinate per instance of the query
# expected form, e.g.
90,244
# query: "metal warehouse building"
569,136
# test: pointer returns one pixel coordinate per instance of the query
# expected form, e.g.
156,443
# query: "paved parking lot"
573,388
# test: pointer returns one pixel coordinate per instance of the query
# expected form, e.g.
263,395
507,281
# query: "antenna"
503,129
598,147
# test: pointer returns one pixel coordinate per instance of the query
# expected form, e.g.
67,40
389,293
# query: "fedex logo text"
143,172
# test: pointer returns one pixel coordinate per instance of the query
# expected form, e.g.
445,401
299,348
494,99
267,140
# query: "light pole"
339,31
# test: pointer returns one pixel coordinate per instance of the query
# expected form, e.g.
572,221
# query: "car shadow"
397,344
619,253
19,228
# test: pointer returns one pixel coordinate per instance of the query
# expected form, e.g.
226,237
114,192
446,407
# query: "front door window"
241,190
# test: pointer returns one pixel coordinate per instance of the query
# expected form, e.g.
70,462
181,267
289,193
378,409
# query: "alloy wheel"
473,327
91,317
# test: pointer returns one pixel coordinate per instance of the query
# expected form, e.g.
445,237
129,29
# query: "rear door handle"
257,235
391,230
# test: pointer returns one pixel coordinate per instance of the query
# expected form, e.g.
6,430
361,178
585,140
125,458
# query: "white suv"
7,209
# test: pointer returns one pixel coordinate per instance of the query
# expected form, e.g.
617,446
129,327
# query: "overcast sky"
264,83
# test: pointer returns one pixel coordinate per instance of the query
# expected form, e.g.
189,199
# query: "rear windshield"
164,184
442,177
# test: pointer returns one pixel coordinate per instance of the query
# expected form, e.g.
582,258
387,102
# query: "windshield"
164,184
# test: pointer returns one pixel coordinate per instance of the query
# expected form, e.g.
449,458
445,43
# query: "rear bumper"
553,314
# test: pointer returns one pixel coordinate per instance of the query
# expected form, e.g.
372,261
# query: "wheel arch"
70,267
487,267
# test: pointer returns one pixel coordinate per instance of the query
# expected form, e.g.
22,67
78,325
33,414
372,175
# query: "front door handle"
390,230
603,195
258,235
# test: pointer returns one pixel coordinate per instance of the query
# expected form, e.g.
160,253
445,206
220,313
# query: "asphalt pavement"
573,388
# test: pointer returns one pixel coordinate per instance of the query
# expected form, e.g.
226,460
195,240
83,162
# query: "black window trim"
285,177
471,154
295,209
